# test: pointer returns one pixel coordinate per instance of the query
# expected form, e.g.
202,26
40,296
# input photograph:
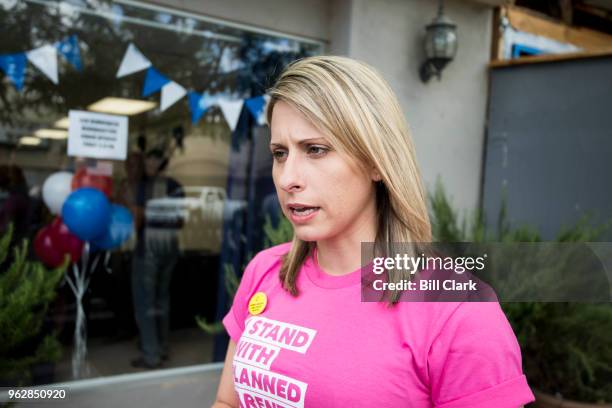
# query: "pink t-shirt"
326,348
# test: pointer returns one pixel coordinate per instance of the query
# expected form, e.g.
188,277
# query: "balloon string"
85,256
106,259
79,286
92,269
69,280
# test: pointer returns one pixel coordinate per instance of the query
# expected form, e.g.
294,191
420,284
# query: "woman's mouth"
302,213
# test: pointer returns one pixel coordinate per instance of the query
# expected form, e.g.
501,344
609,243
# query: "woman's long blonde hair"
355,108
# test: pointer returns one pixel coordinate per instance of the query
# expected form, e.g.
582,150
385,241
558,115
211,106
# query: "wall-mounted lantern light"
440,45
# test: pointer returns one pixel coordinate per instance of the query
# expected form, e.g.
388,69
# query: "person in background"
128,190
155,257
118,290
15,203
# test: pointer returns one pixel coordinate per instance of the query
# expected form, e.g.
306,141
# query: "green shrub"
26,289
566,347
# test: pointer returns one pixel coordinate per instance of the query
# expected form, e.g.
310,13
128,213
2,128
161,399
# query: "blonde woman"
345,172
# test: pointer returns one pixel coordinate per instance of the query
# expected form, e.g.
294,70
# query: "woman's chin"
308,233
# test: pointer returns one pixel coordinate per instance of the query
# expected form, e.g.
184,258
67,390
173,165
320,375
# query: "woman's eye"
279,154
317,150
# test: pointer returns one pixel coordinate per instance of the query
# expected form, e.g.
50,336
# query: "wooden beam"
539,24
537,59
497,40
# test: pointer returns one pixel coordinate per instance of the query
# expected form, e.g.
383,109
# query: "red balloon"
46,249
83,178
66,241
54,242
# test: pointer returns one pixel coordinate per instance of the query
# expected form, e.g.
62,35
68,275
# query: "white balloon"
55,190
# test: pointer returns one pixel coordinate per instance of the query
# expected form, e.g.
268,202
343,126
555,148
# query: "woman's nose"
291,174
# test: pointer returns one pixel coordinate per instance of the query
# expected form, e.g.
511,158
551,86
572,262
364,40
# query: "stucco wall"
447,117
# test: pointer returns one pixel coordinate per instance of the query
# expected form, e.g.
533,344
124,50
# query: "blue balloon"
86,213
119,228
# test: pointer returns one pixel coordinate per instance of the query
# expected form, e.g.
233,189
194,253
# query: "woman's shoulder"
266,261
271,255
274,251
445,311
447,320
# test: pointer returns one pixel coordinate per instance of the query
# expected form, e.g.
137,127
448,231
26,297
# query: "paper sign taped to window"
97,135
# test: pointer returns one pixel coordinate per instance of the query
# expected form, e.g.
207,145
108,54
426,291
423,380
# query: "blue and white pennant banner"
256,106
13,66
43,58
133,61
171,92
69,49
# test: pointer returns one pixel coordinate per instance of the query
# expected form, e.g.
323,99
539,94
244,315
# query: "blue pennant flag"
69,48
154,81
13,66
256,107
198,104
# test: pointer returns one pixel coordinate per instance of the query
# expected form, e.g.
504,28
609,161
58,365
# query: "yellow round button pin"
258,303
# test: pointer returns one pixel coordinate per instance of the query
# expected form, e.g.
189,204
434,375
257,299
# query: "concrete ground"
187,347
185,387
187,379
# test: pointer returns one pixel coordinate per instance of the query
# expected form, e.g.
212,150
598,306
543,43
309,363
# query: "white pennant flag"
133,61
45,59
261,120
170,93
231,110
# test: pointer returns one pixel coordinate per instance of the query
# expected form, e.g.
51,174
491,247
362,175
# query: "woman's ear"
375,174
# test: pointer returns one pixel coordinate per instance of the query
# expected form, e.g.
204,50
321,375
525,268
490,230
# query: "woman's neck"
342,254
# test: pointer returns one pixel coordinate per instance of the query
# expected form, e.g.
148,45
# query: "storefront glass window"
195,178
